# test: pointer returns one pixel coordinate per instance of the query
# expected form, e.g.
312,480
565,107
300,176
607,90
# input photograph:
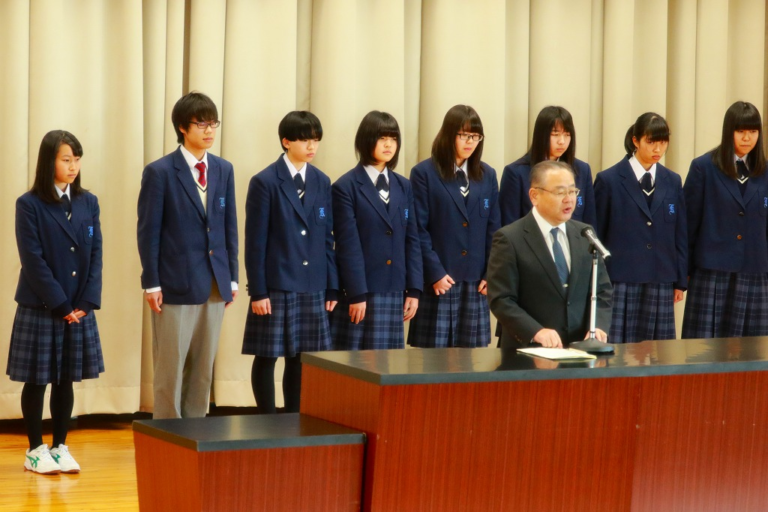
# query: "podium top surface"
249,432
449,365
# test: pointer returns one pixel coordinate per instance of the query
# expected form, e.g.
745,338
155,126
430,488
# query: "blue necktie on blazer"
66,204
557,249
299,182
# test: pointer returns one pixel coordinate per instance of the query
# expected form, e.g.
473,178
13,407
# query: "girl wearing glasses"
457,212
55,339
377,243
554,138
289,261
726,193
641,220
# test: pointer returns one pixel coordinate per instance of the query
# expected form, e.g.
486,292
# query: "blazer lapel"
732,186
660,188
580,256
751,190
633,187
452,187
396,198
289,189
535,241
310,190
371,194
187,181
214,177
57,212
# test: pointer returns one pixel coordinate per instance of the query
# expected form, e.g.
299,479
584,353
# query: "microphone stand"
592,345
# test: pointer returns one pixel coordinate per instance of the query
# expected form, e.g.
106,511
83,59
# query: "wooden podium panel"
483,429
249,463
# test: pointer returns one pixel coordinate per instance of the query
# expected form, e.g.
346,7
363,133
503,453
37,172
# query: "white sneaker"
62,457
40,461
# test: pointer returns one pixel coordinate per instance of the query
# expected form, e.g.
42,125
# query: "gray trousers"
185,338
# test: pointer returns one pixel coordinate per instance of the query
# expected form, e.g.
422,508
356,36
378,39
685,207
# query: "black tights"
263,383
62,401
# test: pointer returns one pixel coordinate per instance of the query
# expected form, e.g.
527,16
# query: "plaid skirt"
460,318
47,350
726,304
382,327
642,311
298,323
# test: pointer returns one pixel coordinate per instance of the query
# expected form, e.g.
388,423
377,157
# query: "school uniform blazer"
182,248
524,290
455,238
377,250
726,231
289,245
515,203
60,259
648,245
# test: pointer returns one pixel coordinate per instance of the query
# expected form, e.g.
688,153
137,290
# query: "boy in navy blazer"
187,237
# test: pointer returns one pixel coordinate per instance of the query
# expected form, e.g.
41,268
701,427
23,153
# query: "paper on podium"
557,353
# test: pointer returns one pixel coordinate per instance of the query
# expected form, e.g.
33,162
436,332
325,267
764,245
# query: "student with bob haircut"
641,220
377,243
554,138
290,262
55,339
726,192
457,212
187,237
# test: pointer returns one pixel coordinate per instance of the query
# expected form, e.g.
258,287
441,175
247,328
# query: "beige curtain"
110,72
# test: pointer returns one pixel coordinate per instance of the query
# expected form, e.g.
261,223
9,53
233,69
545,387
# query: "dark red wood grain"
682,443
319,478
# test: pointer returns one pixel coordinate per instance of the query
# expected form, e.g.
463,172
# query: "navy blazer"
182,248
455,238
726,231
289,245
60,259
515,203
377,249
648,245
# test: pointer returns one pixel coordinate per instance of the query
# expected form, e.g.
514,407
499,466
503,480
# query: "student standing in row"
726,193
55,339
641,220
554,138
457,211
187,236
377,243
289,261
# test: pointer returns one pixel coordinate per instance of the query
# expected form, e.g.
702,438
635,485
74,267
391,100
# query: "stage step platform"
283,462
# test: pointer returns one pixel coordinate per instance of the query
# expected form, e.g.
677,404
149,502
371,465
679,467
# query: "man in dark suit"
187,235
540,269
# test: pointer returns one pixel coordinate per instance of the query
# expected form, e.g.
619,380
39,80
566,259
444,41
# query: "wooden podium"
678,425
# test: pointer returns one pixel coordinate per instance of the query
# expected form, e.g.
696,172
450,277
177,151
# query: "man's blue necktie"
557,249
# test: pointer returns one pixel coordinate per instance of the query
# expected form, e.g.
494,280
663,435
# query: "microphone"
589,234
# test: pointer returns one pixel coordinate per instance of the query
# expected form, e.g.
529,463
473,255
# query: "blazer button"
208,229
741,214
649,223
463,253
303,232
305,263
72,249
738,237
74,274
465,224
210,253
389,232
649,246
389,262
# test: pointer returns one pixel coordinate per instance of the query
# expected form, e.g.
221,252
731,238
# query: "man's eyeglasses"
205,124
561,192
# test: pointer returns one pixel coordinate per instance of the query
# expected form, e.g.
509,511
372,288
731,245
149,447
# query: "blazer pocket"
321,215
87,233
670,211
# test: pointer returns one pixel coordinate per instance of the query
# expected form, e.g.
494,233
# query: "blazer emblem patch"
580,201
671,208
405,212
321,212
486,204
765,202
90,231
222,203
